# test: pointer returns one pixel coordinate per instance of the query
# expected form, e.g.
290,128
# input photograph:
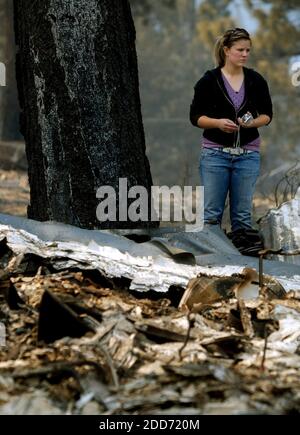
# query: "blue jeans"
222,173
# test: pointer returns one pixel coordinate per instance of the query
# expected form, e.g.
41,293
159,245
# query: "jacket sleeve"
264,102
199,106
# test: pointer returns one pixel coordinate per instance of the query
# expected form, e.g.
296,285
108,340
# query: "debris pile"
81,342
281,230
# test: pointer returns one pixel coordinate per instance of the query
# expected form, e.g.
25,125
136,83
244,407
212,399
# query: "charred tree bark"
80,106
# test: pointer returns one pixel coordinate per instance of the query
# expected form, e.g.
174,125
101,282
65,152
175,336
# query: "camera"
247,118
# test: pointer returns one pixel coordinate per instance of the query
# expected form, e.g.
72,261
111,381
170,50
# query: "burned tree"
80,107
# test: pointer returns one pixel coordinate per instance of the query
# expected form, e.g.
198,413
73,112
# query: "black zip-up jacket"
211,99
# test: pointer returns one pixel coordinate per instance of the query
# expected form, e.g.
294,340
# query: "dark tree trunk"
80,107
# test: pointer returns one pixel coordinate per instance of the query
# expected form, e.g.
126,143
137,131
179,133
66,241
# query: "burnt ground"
14,192
135,354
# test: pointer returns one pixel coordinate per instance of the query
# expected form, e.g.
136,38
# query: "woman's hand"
227,125
258,122
249,124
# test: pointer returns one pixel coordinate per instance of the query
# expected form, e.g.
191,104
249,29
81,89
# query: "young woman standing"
231,102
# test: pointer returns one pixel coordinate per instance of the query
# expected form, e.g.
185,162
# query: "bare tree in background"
80,106
9,106
276,42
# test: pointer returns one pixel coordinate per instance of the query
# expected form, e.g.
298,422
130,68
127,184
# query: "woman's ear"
226,49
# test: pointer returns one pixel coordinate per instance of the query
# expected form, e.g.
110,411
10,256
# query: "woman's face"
238,53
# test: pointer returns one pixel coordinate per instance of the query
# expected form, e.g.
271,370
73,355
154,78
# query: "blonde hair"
227,40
